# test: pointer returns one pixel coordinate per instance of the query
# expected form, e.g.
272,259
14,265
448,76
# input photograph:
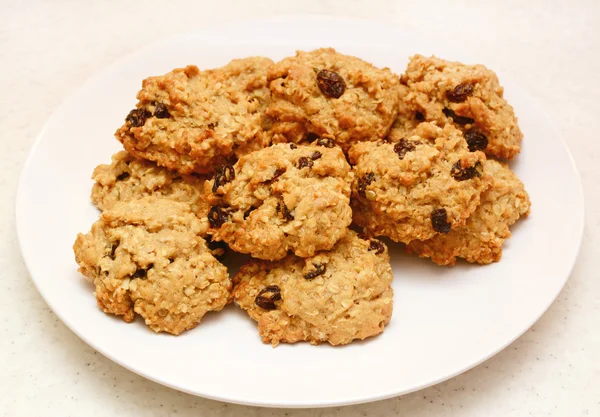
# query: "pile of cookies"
301,164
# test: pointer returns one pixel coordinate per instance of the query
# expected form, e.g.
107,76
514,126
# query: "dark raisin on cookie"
212,126
461,174
141,273
293,146
304,162
161,112
278,173
403,147
326,142
331,83
122,176
218,215
137,117
439,220
364,182
461,120
284,210
377,246
460,93
319,270
316,155
267,296
419,116
223,175
477,141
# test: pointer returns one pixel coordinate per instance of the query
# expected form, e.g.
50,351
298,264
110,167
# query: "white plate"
446,320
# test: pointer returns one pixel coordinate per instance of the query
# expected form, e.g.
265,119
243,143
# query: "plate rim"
102,72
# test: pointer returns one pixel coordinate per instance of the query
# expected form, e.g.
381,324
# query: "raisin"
212,126
267,296
461,120
326,142
247,212
304,162
284,210
319,270
419,116
459,93
477,141
142,273
278,173
377,246
113,249
439,220
161,112
461,174
364,182
331,83
223,175
311,137
316,155
137,117
122,176
218,215
293,146
404,146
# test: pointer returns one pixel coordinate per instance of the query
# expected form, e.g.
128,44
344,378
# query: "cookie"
128,178
468,96
480,239
425,184
328,94
193,121
283,198
336,296
147,257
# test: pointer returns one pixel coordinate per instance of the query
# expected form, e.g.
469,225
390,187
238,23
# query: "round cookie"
468,96
425,184
336,296
147,257
128,178
480,239
193,121
331,95
282,198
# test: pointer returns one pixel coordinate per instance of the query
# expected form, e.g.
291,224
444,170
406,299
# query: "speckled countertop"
47,49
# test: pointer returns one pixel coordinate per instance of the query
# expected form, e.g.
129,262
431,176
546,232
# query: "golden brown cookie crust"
426,184
348,298
128,178
468,96
283,198
364,111
147,257
193,121
480,239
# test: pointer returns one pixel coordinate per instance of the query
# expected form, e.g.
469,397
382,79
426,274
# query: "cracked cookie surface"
480,239
147,257
128,178
336,296
193,121
422,185
282,198
328,94
468,96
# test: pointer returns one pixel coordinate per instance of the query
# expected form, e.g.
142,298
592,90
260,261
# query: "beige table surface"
49,48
